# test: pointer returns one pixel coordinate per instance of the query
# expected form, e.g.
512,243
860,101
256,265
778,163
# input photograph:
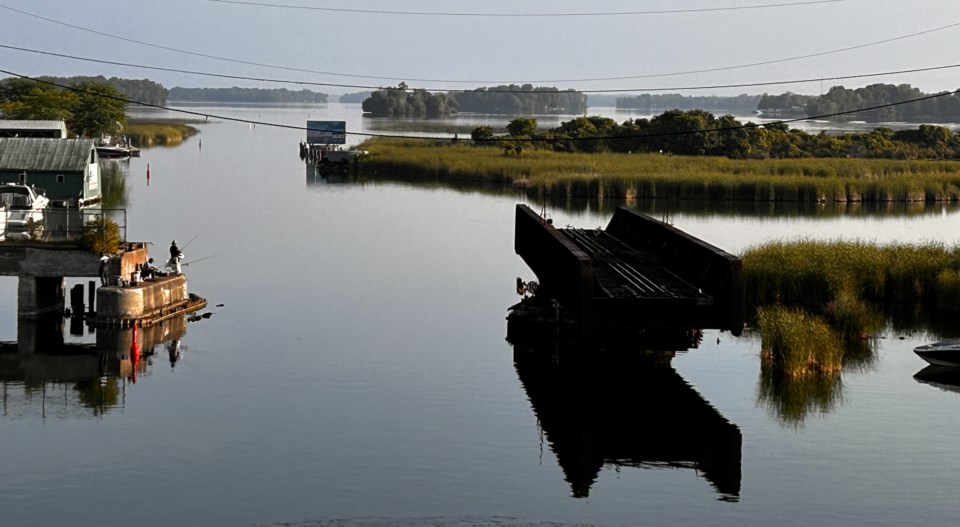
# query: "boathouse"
67,171
33,128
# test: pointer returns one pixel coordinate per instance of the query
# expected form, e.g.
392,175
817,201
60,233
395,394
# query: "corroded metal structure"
637,273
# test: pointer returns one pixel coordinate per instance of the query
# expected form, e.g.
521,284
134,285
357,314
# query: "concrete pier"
41,268
145,303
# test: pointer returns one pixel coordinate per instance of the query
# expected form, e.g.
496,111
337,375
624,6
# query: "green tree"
482,133
522,126
98,110
31,100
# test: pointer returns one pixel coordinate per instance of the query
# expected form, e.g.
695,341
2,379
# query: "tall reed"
666,176
797,344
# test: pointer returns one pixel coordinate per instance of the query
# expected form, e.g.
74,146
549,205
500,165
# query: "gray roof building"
66,169
31,128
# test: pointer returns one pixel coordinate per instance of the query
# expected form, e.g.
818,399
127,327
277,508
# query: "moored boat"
21,212
946,353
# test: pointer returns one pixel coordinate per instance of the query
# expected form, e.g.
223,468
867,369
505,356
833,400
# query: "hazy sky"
434,50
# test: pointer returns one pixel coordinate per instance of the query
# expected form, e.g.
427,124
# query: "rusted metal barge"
638,273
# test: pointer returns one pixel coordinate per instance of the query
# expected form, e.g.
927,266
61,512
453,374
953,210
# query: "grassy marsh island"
158,132
811,299
547,173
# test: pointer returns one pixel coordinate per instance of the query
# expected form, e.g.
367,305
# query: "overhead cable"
508,139
441,90
469,81
529,15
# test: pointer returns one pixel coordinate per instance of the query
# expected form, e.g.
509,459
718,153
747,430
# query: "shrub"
101,236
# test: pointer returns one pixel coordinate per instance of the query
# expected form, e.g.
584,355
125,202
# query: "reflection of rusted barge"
618,410
637,273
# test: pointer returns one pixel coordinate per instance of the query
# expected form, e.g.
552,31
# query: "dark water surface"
358,374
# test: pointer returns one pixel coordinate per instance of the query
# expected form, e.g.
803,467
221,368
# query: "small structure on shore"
324,145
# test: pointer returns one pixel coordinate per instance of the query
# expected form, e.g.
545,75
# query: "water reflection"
625,406
942,377
43,376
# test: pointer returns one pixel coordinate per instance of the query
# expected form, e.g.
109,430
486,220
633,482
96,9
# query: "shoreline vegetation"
817,304
158,132
546,173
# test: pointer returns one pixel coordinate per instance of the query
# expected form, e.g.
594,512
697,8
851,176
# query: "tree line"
91,109
247,95
509,99
403,102
700,133
676,101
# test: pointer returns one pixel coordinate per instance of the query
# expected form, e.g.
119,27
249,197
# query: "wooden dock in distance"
637,273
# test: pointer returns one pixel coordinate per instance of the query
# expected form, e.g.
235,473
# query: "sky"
619,44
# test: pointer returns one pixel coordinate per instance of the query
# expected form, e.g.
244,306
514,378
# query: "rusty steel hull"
637,273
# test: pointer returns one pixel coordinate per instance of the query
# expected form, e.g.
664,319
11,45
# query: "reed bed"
615,175
158,133
816,274
796,343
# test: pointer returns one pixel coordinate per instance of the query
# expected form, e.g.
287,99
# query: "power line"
593,79
508,139
530,15
369,87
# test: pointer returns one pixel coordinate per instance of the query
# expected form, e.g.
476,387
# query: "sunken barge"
639,274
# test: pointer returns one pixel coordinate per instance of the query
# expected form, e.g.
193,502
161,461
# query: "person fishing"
175,256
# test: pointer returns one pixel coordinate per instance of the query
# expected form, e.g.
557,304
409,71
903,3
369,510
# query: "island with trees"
247,95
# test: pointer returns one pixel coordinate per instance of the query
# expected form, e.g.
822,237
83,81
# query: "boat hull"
940,354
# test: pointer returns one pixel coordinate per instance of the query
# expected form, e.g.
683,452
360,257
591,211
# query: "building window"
23,178
60,178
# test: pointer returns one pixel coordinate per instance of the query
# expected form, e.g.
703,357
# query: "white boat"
336,155
946,353
21,211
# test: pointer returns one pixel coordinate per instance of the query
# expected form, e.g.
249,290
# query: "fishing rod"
191,241
199,260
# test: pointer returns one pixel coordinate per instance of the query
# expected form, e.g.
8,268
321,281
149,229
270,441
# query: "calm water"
358,374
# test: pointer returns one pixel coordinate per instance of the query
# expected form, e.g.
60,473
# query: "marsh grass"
637,176
796,289
796,343
144,133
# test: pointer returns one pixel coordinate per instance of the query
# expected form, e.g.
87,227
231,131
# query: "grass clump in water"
798,344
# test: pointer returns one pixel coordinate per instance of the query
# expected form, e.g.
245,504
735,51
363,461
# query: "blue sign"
327,132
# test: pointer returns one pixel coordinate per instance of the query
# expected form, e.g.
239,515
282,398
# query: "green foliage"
99,110
101,236
482,133
667,101
522,127
28,100
247,95
90,110
521,100
401,102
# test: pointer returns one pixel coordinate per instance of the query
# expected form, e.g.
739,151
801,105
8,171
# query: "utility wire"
530,15
559,90
593,79
508,139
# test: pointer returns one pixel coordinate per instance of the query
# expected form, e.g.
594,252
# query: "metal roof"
9,124
52,155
